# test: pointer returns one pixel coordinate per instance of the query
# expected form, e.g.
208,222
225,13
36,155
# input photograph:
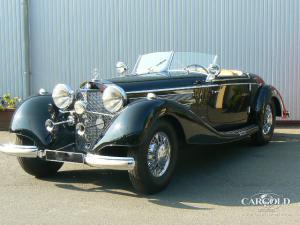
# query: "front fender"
132,124
29,121
30,117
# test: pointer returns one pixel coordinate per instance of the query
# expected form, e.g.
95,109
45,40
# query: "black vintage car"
136,122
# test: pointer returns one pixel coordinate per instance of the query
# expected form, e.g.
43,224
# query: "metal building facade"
68,38
11,60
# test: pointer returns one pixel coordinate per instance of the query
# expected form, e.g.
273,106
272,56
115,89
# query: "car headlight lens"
63,96
114,98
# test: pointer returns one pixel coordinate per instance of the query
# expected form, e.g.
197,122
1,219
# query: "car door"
228,102
193,92
200,96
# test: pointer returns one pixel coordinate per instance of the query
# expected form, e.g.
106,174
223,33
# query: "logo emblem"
100,123
268,200
95,74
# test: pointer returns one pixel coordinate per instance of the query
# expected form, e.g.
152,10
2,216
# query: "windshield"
153,62
169,61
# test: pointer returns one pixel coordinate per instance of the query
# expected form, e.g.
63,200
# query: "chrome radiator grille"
95,124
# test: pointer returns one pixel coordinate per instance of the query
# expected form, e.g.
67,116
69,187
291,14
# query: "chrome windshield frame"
167,69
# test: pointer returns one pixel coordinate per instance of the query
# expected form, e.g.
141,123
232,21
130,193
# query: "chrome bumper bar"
19,150
99,161
109,162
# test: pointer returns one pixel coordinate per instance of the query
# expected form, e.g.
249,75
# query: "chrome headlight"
63,96
114,98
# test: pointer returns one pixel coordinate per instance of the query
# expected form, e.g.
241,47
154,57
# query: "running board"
240,132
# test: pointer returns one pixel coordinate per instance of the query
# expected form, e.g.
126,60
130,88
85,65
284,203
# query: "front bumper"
99,161
19,150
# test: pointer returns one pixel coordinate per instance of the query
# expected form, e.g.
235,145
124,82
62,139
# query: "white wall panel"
71,37
11,79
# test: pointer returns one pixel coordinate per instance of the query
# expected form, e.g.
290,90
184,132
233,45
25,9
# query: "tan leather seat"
225,73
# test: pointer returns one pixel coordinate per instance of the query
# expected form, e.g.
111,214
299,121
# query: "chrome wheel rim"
159,152
268,120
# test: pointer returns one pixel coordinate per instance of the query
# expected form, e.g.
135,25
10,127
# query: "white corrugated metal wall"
11,79
70,38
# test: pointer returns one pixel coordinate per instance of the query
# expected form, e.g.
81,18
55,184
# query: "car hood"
154,82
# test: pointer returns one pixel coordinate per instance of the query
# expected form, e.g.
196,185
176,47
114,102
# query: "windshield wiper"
150,69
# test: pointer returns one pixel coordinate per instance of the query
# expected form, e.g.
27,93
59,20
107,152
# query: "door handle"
215,92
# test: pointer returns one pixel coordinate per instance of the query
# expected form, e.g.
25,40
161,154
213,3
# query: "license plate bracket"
60,156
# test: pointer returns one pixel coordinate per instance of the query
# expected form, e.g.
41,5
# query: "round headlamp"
63,96
80,107
114,98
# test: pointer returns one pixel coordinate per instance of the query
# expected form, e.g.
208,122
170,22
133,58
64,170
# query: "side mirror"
121,68
213,71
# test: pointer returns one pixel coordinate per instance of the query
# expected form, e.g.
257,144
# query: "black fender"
264,95
29,121
132,124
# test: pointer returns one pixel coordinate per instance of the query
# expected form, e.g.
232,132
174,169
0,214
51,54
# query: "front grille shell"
95,124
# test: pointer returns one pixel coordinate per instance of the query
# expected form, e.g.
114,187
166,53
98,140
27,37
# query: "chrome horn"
49,124
80,129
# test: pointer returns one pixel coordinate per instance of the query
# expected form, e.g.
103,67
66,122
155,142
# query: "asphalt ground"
208,188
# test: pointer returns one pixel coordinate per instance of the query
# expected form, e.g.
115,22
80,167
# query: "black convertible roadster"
137,121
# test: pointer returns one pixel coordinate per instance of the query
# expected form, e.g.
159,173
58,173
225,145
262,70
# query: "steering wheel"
196,65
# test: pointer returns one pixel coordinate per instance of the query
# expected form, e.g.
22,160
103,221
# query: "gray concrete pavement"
207,189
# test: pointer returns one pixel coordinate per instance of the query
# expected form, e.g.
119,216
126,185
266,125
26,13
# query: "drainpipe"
25,47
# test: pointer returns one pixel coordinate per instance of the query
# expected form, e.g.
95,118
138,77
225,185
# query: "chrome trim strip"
100,113
170,61
19,150
171,94
168,96
136,63
241,132
169,89
235,78
185,88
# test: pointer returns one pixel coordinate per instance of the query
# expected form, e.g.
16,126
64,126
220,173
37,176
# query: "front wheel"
155,159
36,166
266,122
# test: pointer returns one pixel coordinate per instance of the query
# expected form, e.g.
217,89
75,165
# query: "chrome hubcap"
158,157
268,120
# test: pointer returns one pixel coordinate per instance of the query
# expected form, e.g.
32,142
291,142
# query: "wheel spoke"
268,120
159,154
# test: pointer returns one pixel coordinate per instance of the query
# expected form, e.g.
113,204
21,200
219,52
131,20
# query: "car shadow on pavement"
207,176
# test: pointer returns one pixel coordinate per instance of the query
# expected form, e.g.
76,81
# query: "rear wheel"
155,160
266,122
36,166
